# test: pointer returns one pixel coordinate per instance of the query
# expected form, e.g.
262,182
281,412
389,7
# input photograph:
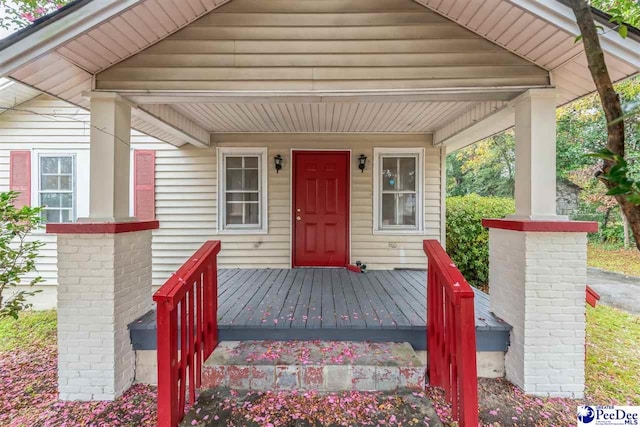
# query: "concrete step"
314,365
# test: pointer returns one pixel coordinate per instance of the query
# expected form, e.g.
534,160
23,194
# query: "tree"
582,129
486,168
20,13
17,253
614,172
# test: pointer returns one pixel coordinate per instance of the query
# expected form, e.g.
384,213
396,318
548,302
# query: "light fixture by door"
362,162
278,162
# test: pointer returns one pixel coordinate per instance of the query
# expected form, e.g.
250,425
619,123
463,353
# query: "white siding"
186,199
46,123
186,192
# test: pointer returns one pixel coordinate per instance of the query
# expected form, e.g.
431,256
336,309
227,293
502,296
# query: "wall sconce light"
362,162
278,162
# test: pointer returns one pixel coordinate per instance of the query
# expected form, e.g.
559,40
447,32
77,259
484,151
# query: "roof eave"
41,23
65,25
605,19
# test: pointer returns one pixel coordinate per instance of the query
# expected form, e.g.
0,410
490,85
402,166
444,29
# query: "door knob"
298,218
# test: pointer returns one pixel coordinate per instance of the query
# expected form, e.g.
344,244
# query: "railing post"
430,323
466,338
166,326
213,337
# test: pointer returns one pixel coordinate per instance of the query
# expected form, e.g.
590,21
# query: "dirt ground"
225,407
503,404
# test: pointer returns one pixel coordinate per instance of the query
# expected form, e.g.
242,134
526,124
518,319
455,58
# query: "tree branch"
600,74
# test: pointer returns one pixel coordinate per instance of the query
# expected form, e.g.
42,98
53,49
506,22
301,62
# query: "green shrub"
467,240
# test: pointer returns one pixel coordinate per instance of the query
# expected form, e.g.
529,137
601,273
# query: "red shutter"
144,194
20,176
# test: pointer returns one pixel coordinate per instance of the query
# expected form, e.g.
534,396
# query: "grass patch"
32,329
613,356
620,260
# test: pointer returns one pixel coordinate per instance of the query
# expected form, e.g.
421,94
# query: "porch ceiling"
412,117
93,36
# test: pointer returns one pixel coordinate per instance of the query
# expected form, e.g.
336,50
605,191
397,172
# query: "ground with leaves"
309,408
619,260
28,396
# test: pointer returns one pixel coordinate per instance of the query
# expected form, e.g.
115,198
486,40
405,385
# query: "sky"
4,33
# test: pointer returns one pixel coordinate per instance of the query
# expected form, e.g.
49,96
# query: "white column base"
537,284
104,284
91,220
538,217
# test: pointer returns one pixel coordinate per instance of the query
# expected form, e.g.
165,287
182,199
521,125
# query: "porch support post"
110,146
538,264
535,162
104,268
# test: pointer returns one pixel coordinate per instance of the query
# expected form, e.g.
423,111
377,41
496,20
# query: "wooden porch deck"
328,304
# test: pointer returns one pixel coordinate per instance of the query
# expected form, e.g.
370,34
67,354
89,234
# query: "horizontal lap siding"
186,192
322,45
186,204
46,124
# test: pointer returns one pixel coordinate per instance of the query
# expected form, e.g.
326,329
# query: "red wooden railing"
187,328
592,296
451,334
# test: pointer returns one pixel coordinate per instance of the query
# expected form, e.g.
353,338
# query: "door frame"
292,189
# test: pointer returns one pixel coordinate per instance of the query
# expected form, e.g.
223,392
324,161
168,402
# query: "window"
56,192
242,192
398,190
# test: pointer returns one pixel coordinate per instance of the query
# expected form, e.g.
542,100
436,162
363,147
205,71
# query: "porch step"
314,365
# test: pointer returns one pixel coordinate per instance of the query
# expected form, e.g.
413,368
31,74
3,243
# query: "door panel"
320,208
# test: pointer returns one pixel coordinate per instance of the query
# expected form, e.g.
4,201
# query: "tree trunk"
605,223
625,227
610,104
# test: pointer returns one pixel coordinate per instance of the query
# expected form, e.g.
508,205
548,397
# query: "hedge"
467,240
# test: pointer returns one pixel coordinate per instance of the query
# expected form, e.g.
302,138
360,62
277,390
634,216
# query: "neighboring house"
311,134
567,197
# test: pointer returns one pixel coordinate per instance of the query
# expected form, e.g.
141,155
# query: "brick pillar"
104,267
537,284
104,284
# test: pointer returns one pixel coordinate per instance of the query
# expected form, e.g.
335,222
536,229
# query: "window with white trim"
242,190
57,187
398,190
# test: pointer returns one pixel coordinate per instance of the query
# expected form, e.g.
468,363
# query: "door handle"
298,218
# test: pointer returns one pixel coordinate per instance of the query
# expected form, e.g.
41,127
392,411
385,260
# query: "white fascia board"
491,124
626,49
175,123
501,93
51,36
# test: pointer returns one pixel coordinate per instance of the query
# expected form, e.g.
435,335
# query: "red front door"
320,208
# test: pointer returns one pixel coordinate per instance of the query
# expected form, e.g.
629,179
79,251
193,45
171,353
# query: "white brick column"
538,263
104,284
104,268
537,282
